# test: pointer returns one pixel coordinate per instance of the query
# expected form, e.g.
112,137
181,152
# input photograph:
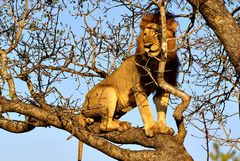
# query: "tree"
40,52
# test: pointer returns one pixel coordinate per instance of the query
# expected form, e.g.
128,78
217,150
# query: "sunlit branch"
15,126
3,53
30,110
178,112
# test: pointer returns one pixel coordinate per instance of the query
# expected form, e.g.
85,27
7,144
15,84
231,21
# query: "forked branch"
178,113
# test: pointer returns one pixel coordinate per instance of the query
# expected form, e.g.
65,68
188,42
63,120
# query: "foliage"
219,156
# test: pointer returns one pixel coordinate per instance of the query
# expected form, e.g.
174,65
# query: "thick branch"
178,113
15,126
5,75
223,24
166,145
138,137
47,117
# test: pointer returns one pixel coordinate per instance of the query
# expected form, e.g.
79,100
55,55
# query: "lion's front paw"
124,125
167,130
152,130
156,129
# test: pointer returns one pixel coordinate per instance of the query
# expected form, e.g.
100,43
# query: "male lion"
131,84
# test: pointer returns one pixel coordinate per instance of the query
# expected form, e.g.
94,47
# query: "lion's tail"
80,150
82,121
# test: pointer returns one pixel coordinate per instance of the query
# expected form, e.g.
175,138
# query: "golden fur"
131,84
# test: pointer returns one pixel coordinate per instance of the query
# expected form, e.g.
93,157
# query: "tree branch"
47,117
178,112
15,126
162,143
217,16
138,137
164,146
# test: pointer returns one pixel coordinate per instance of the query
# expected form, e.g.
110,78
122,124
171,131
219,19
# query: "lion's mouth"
152,49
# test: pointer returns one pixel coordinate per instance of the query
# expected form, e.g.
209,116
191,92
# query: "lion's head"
149,39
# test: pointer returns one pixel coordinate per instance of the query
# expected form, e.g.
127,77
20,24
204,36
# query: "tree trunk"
223,24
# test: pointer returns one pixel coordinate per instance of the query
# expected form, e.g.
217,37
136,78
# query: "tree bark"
162,147
223,24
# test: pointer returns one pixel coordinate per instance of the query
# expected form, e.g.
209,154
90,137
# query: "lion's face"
152,39
149,39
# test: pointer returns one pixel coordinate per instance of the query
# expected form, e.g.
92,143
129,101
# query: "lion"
131,84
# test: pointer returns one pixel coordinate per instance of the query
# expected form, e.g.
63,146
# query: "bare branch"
178,113
30,110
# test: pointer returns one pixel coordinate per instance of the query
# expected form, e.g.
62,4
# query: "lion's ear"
171,24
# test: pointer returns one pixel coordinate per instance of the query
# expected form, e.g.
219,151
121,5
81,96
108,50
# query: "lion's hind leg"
102,102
